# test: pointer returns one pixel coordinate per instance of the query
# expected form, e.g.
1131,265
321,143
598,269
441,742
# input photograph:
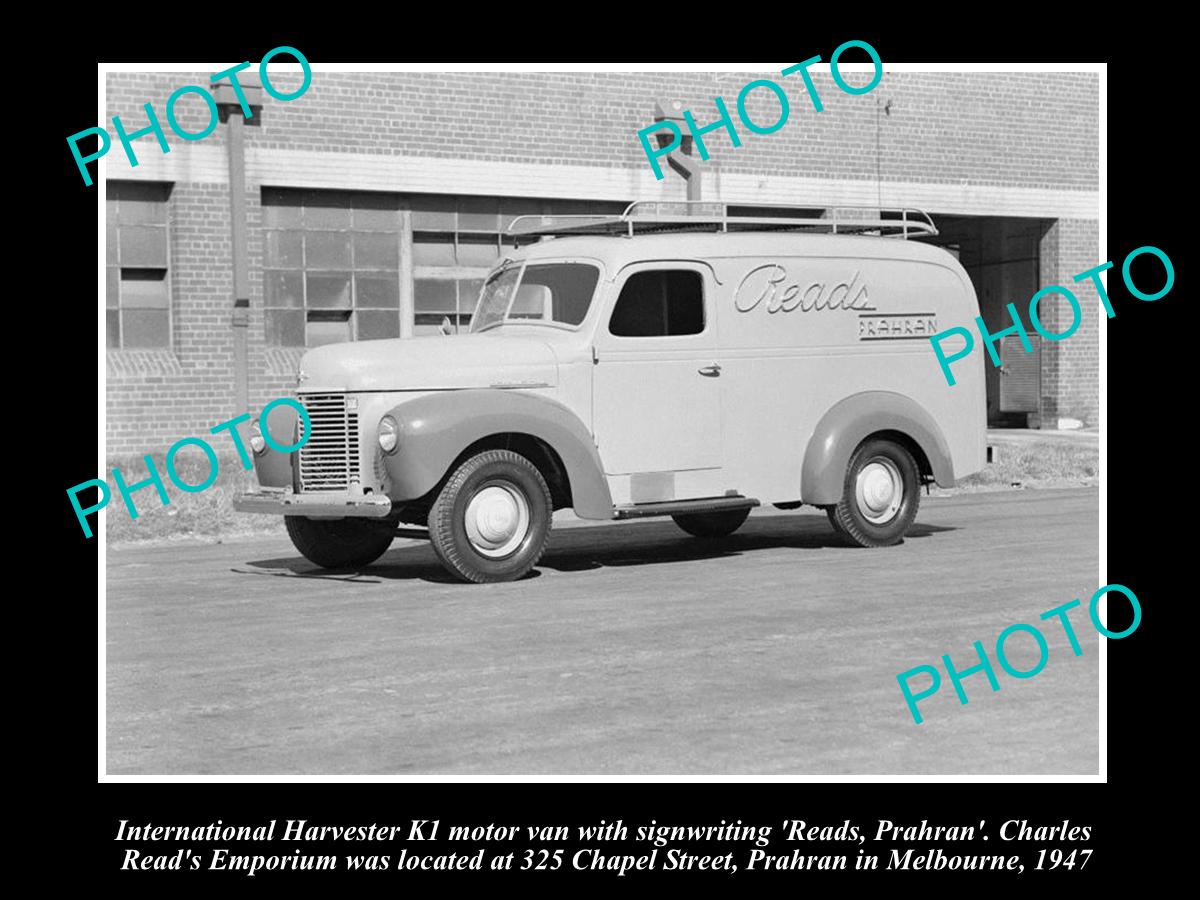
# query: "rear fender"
852,420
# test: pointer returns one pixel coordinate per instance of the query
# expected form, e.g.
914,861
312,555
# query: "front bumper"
326,504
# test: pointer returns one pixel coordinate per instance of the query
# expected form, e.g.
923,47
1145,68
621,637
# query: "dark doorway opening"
1002,257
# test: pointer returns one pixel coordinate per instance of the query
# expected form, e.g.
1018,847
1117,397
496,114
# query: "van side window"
659,303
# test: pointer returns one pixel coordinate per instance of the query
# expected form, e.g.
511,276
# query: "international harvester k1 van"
684,360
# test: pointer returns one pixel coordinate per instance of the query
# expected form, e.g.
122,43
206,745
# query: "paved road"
633,649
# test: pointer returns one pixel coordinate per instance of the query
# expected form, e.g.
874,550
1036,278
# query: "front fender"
274,469
851,420
436,428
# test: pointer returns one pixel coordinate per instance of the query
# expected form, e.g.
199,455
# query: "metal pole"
692,174
241,274
407,307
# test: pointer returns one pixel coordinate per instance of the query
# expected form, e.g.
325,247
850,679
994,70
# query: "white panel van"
685,361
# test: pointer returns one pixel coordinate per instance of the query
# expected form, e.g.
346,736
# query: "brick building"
375,203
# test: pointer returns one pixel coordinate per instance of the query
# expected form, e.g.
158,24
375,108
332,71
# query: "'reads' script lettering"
769,282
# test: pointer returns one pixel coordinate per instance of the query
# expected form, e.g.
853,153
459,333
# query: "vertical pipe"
407,309
241,275
878,154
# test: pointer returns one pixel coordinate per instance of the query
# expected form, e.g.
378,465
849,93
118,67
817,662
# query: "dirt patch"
206,514
1048,463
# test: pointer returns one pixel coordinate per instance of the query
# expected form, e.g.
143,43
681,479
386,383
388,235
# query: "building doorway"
1002,258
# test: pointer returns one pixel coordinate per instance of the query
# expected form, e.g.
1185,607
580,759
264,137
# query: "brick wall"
1071,367
155,397
989,129
978,129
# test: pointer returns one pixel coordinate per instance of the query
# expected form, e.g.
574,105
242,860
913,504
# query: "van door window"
659,303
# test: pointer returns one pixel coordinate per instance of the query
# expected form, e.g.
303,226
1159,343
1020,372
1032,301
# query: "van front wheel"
339,543
880,495
491,521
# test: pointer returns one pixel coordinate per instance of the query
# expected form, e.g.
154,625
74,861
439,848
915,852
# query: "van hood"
433,362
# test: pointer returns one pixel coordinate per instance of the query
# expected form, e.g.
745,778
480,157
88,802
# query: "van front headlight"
257,444
388,434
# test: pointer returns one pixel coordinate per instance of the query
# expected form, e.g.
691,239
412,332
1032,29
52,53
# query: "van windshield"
540,293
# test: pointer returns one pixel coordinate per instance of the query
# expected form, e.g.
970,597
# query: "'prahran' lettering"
896,326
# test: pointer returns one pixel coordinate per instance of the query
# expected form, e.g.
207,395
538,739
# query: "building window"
331,267
458,240
138,291
331,259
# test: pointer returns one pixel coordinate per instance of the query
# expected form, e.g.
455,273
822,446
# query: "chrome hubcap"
879,490
497,519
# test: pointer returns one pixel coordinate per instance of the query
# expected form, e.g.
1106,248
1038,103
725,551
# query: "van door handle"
711,371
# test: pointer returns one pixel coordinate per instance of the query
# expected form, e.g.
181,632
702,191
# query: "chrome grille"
329,459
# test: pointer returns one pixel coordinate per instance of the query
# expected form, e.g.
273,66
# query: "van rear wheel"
880,495
712,525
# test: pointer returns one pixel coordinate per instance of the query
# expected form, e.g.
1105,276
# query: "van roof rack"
662,216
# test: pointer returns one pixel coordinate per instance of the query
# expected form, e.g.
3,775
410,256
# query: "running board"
684,507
